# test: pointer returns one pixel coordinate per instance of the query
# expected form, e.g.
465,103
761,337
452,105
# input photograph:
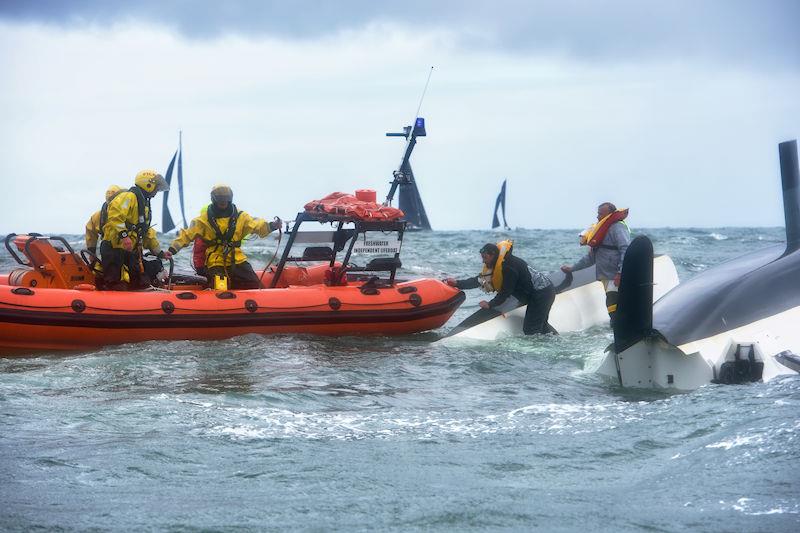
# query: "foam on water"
374,433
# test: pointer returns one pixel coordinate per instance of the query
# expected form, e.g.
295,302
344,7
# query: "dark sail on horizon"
500,204
167,223
410,201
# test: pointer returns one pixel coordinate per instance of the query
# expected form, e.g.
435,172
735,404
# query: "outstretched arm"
186,235
259,226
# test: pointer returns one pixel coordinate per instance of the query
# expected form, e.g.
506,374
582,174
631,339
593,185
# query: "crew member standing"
608,240
223,227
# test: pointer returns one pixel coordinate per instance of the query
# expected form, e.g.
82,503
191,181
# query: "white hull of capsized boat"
654,363
573,310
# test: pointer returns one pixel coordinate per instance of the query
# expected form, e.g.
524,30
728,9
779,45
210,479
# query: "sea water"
299,432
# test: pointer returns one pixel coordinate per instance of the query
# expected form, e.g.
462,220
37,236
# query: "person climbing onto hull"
516,284
127,232
608,240
222,227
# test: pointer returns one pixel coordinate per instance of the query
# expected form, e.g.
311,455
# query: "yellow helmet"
151,182
221,193
112,191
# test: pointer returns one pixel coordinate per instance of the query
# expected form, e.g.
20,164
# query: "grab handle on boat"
40,237
62,240
91,260
171,270
12,252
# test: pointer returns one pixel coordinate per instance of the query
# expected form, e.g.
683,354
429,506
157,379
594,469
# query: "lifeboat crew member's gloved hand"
127,243
483,304
617,278
277,223
450,281
165,254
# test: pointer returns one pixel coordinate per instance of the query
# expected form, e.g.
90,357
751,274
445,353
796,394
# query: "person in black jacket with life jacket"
516,284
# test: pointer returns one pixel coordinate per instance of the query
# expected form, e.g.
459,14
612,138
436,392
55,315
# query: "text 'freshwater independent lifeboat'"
50,301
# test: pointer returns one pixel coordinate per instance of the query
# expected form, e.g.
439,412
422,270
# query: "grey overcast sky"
673,109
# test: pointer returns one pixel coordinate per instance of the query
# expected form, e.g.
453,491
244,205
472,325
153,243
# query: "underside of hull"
760,351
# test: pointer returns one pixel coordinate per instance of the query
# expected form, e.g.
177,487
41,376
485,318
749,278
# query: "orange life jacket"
598,232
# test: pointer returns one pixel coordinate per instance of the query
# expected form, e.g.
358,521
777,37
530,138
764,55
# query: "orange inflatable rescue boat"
50,301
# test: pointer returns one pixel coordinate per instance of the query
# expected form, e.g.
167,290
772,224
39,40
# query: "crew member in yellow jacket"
127,232
223,227
94,227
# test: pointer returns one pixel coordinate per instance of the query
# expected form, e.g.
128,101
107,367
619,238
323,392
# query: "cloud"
737,32
285,121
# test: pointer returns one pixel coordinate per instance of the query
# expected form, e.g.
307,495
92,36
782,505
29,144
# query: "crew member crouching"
127,232
223,227
516,284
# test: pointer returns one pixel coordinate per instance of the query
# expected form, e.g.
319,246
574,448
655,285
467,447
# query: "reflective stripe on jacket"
123,215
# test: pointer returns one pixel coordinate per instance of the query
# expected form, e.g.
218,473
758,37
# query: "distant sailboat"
500,204
167,224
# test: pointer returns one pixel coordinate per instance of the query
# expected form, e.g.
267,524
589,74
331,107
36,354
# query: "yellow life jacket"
491,279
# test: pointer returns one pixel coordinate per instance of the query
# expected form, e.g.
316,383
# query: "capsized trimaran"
738,322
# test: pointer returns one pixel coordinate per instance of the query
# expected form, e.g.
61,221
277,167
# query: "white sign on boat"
377,244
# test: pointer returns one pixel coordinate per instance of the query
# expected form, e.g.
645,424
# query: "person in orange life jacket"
608,254
223,227
520,285
126,232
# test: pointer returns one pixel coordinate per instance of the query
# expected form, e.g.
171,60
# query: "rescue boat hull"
62,319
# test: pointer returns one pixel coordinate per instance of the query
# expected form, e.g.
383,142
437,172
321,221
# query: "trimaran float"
738,322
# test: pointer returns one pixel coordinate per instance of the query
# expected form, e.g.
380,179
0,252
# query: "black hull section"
633,320
734,294
411,204
744,290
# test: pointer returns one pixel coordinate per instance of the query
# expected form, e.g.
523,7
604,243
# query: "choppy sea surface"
398,434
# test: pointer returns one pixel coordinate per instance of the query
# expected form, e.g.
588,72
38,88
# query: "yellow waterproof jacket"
123,215
93,231
201,227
